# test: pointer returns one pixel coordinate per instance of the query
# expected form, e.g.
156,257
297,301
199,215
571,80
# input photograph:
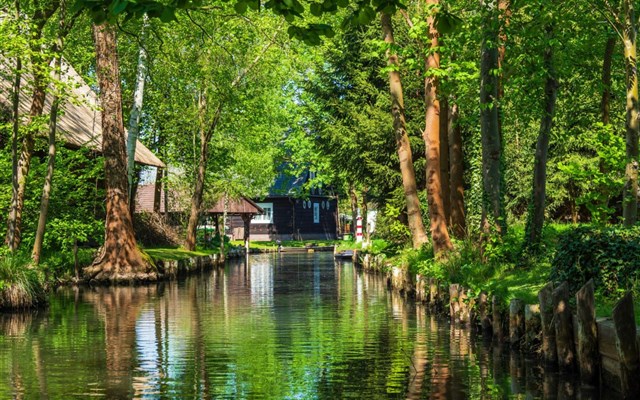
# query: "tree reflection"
119,308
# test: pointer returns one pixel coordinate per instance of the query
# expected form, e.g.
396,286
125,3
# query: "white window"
267,217
316,213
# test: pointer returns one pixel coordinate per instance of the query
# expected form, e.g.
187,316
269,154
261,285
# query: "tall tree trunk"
456,161
120,259
505,16
353,196
38,61
445,160
201,172
605,103
206,133
439,234
225,210
365,210
414,215
504,12
51,162
157,193
493,214
630,198
10,238
136,110
536,218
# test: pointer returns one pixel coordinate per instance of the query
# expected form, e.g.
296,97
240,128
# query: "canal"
293,326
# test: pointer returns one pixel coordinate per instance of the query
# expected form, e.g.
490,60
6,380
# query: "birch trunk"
136,109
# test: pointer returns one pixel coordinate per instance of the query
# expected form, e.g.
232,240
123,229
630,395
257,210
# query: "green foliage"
610,256
389,227
60,264
601,178
211,241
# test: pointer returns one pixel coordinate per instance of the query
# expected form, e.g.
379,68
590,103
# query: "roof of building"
287,184
80,123
146,193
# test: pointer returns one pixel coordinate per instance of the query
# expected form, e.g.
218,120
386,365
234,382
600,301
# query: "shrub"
20,285
611,256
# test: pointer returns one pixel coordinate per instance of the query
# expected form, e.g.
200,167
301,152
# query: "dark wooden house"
292,211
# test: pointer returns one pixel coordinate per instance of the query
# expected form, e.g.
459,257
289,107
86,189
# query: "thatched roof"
80,124
145,195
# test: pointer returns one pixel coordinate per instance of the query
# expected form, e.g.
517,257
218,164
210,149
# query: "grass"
604,307
169,253
500,269
272,244
21,286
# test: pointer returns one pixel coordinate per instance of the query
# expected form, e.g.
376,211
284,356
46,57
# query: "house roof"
146,194
80,124
286,184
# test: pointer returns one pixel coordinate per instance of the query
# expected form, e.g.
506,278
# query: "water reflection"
276,326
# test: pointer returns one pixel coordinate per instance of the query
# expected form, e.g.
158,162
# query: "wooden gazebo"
150,198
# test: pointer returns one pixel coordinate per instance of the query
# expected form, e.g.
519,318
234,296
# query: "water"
294,326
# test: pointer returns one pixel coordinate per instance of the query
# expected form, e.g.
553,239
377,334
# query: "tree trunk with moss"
456,173
414,215
493,212
630,198
38,61
535,220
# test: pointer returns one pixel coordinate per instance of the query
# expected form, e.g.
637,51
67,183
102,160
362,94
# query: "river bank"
23,287
603,351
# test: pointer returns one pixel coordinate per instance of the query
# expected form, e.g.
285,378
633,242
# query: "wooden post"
246,218
454,306
464,307
625,330
433,293
549,351
483,308
498,332
564,327
516,321
532,326
587,351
